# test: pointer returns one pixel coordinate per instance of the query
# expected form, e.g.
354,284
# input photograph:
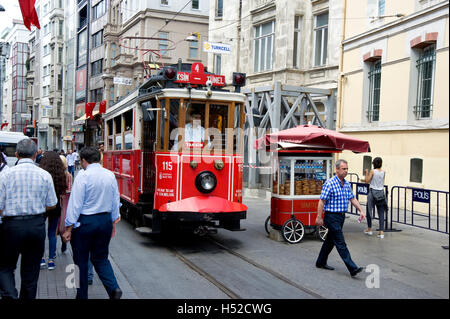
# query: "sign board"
198,76
362,188
124,81
421,195
45,120
80,88
218,48
26,116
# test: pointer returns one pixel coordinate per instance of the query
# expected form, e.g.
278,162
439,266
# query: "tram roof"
139,96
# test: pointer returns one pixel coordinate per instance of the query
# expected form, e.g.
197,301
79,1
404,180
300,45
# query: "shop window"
416,169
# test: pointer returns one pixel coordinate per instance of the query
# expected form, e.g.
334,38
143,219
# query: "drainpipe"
341,67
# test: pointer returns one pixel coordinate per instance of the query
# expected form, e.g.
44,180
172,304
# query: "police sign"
421,195
362,189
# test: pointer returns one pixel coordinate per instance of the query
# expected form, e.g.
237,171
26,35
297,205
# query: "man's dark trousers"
92,238
335,237
26,238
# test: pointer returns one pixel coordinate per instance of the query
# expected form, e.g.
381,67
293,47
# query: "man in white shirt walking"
71,162
92,212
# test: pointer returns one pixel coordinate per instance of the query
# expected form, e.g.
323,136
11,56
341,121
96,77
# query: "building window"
46,70
297,41
46,49
61,27
425,66
373,112
97,67
416,169
113,54
99,10
381,7
97,39
321,39
219,8
193,50
97,95
195,4
263,46
163,43
60,55
164,2
217,63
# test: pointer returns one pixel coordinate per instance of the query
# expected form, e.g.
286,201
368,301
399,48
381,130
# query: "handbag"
378,196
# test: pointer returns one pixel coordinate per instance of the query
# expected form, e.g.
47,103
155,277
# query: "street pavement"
411,264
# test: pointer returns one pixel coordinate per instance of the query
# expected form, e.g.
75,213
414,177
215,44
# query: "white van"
8,143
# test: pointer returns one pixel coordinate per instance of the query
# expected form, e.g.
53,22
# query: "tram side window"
128,133
9,149
162,123
173,124
110,134
309,176
285,177
118,132
218,123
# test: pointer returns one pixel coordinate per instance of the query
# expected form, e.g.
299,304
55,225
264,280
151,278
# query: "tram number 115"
167,166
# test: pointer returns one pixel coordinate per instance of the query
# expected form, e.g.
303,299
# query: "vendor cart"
301,163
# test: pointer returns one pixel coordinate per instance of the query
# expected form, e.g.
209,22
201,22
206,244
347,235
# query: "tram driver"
193,132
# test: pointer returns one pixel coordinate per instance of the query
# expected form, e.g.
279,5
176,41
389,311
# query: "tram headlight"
206,182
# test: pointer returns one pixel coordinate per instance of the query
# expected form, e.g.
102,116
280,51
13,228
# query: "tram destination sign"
198,76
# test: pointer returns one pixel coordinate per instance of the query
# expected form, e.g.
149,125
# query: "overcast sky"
12,11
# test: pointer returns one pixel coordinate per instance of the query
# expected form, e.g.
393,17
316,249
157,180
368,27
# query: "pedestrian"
334,198
376,196
39,156
92,213
76,159
3,168
51,162
101,148
26,192
70,162
64,200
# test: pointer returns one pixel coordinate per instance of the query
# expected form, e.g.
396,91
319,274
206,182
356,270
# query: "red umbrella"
315,136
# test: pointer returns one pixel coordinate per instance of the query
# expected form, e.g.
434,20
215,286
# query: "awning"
83,118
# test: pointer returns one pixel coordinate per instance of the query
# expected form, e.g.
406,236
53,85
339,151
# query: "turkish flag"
102,107
29,13
89,108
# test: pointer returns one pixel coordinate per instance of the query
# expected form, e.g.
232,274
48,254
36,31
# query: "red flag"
102,107
29,13
89,108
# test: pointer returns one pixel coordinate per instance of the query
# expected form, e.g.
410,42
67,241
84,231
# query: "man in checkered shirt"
26,193
336,193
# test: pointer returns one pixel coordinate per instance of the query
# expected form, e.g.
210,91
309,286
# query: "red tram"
175,145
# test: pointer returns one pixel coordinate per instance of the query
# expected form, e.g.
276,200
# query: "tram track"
226,289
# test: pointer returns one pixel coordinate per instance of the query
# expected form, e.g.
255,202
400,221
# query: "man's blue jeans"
335,237
91,241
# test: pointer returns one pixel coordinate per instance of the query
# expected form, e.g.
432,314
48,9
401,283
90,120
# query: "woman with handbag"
376,196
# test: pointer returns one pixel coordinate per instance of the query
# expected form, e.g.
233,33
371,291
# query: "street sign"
218,48
124,81
421,195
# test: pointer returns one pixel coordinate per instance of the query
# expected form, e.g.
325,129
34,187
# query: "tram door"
148,150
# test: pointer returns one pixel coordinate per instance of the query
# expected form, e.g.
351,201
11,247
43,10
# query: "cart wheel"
322,232
293,231
267,225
